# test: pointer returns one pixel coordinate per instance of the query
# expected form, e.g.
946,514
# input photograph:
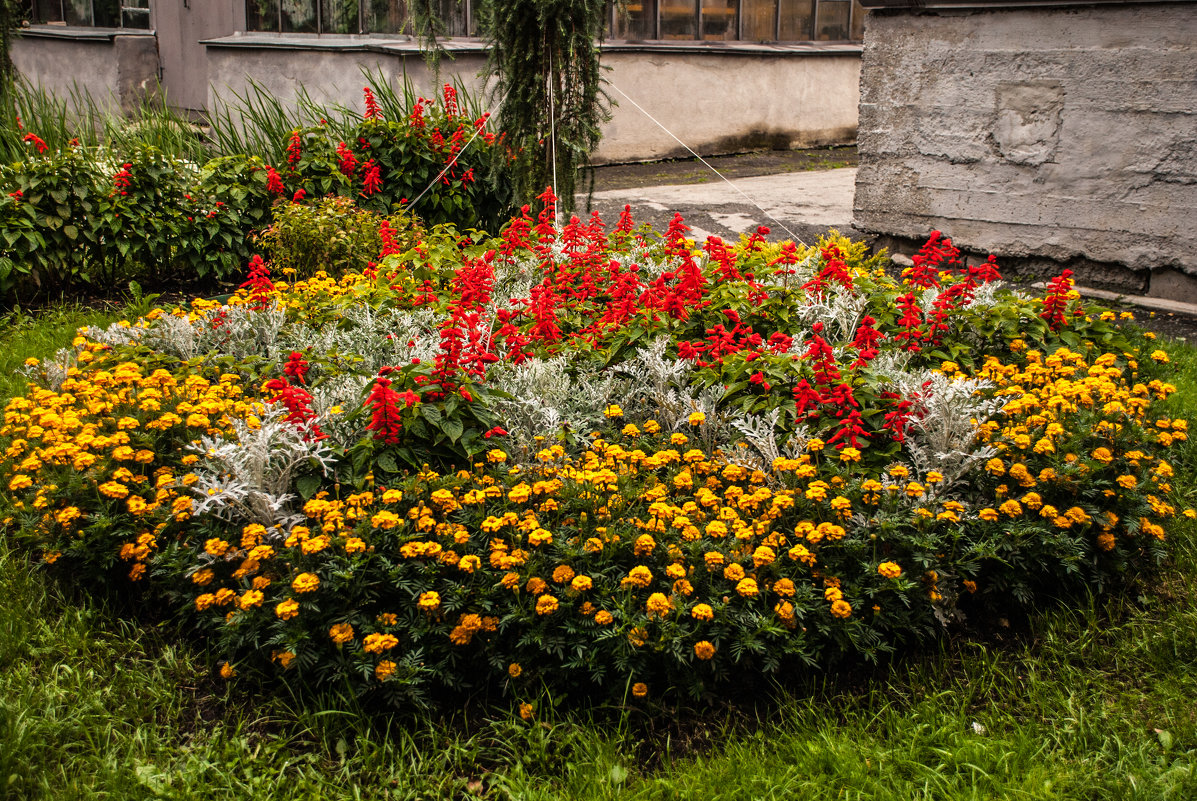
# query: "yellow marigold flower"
678,439
640,689
704,650
354,545
696,418
519,493
603,617
988,513
305,582
915,489
385,669
891,570
227,671
429,601
527,711
581,583
204,601
546,605
1159,356
377,643
899,471
644,545
1010,508
562,574
747,587
1105,541
612,411
112,489
850,455
284,658
833,593
763,555
702,612
540,537
514,670
250,599
841,609
630,430
287,609
385,520
341,633
934,477
203,577
733,572
658,605
640,575
1127,482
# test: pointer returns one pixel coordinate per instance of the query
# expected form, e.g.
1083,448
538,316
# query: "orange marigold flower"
747,587
841,609
429,601
341,633
704,650
603,617
385,669
581,583
640,689
890,570
305,582
287,609
546,605
658,605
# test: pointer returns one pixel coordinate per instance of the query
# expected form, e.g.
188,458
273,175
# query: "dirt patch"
741,165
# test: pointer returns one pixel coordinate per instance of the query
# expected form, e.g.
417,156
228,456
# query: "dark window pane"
832,22
635,20
453,14
78,12
759,19
261,15
135,18
796,17
858,21
386,16
299,16
719,19
679,20
106,13
338,16
45,11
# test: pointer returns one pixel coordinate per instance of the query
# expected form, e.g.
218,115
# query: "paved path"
806,203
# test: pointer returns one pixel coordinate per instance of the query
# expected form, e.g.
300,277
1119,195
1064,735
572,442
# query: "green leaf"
454,429
386,461
307,486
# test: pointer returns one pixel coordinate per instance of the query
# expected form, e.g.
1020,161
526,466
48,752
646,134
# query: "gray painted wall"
1049,137
116,70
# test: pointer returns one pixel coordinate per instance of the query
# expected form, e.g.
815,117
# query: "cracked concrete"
798,205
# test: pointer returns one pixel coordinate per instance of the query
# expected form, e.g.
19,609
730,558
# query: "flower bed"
608,462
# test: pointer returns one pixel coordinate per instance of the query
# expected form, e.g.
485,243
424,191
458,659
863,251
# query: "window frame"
148,11
855,7
468,15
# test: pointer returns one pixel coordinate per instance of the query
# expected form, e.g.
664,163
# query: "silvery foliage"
52,372
839,312
379,336
546,398
346,391
657,388
247,473
116,334
942,432
240,332
760,433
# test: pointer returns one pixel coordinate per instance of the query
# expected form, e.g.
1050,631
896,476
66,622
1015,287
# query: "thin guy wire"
477,130
785,228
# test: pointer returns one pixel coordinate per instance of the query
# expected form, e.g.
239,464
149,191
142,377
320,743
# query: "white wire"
477,130
783,226
553,139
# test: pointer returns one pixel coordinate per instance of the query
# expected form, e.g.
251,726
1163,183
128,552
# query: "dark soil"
739,165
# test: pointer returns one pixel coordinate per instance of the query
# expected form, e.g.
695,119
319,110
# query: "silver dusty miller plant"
248,476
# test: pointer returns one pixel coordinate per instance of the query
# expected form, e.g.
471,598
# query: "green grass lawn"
1097,699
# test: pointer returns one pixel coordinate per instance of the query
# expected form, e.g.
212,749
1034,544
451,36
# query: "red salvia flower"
122,179
346,161
296,367
373,112
294,150
383,403
274,184
372,181
1055,302
37,142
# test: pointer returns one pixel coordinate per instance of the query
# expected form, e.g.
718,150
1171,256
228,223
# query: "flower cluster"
598,460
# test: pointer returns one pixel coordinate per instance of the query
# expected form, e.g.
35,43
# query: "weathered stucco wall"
726,102
116,70
715,103
1050,137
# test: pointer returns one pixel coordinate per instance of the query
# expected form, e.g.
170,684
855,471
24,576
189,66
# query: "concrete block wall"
1049,136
